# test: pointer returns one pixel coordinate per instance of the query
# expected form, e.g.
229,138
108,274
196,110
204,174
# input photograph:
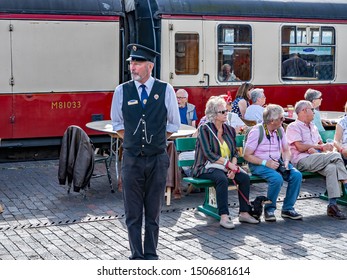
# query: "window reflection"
234,52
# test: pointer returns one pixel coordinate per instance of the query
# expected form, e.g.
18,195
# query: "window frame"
316,52
241,63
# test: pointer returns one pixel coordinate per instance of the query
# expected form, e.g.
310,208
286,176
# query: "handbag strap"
214,134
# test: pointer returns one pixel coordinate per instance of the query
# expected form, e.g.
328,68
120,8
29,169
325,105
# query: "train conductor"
144,113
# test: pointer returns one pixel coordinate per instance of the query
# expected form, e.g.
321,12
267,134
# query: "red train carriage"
59,66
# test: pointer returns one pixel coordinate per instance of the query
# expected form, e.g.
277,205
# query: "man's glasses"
318,98
223,112
180,97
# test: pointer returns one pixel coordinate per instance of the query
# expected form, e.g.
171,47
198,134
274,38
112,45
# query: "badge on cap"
134,48
156,96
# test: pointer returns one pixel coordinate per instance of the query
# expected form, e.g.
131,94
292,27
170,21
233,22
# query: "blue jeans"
275,182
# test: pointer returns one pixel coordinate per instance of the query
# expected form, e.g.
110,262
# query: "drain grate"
122,216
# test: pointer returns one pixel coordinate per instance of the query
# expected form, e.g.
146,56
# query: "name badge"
133,102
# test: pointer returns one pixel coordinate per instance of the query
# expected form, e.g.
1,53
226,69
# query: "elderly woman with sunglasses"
340,139
315,97
266,149
216,159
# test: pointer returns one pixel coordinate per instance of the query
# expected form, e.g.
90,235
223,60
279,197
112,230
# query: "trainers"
269,216
291,214
227,223
248,219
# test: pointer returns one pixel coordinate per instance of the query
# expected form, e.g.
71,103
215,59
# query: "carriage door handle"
208,80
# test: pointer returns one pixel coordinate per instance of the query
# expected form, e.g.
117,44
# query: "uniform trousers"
329,165
144,182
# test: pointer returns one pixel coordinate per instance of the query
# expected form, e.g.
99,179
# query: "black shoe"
291,214
269,216
334,211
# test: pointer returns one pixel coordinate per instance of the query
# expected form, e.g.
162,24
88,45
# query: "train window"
328,36
234,52
187,54
308,53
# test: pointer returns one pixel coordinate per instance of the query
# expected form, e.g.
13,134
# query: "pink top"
307,134
267,147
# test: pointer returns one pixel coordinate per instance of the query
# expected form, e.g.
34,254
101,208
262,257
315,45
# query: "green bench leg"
209,206
342,200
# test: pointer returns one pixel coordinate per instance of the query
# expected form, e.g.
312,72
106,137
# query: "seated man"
187,110
268,154
227,75
310,154
294,66
255,111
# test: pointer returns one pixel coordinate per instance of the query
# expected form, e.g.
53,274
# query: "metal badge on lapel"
156,96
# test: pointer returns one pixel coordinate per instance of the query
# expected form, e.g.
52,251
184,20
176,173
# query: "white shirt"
234,120
254,112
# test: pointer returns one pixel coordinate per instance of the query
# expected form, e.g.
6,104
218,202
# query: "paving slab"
42,221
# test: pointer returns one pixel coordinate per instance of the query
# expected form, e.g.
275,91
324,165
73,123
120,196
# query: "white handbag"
209,165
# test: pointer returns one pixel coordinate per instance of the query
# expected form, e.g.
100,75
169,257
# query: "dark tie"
144,96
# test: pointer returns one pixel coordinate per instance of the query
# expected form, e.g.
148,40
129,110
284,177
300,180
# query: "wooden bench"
209,206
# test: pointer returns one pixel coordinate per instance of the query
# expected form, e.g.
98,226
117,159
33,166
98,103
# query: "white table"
332,116
106,127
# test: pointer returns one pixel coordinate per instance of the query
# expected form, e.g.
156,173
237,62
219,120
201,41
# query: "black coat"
76,161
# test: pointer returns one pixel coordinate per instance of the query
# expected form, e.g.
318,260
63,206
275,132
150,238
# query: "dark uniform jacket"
76,161
144,129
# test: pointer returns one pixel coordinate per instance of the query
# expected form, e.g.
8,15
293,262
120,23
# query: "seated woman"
315,97
241,102
216,144
340,139
233,119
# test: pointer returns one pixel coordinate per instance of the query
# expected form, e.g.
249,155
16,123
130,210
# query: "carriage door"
6,96
186,63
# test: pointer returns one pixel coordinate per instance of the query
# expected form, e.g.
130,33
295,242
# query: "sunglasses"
282,119
312,109
223,112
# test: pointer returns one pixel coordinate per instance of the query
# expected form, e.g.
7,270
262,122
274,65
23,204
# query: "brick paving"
42,221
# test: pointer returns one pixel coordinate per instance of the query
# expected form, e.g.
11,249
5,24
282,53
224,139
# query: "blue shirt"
183,115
